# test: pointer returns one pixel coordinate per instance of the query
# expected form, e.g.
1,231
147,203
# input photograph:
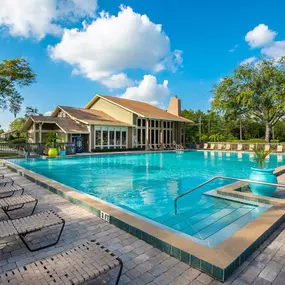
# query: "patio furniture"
251,147
220,146
228,146
10,190
17,202
240,147
280,148
78,265
205,146
212,146
152,148
267,147
31,224
5,180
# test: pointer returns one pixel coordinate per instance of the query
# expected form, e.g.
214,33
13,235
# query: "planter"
52,152
263,175
62,152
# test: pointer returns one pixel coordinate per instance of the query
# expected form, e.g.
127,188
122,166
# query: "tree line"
247,104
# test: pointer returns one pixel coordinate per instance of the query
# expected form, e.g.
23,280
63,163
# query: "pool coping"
219,262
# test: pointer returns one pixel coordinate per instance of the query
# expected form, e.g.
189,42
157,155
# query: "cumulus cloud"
103,49
119,80
249,60
276,50
48,113
260,36
149,91
37,18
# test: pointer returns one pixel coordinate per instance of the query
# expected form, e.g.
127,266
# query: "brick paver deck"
143,264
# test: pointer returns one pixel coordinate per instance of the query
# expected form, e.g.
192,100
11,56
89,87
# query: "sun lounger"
251,147
17,202
240,147
280,148
27,225
220,146
228,146
267,147
212,146
205,146
78,265
10,190
6,180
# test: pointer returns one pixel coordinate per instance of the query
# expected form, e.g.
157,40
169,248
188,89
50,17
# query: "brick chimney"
174,106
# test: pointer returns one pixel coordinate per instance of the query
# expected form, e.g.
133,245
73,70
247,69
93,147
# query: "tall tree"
14,74
256,90
31,111
17,125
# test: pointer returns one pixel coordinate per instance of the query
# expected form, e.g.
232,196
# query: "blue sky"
129,55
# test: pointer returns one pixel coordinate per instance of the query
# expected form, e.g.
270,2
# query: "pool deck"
143,264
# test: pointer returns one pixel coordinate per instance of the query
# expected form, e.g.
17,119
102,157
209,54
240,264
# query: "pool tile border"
219,262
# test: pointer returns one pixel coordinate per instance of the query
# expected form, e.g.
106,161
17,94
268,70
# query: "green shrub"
274,141
204,137
256,141
18,141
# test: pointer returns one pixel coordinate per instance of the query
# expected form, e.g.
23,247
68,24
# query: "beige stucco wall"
113,110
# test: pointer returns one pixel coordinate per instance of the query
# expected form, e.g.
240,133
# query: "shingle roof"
142,108
92,116
66,124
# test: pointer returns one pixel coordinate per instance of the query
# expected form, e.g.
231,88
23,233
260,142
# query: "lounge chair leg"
22,237
120,271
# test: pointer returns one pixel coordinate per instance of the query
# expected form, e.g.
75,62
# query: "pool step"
208,219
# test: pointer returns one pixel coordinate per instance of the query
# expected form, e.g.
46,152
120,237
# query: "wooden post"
147,134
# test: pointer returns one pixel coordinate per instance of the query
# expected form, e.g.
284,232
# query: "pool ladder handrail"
225,178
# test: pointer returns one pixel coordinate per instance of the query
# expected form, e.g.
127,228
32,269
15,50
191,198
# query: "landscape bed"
136,191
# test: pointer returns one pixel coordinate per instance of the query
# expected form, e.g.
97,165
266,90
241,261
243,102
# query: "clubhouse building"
112,122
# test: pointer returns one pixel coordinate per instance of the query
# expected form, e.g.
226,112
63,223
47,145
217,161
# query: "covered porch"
37,129
156,133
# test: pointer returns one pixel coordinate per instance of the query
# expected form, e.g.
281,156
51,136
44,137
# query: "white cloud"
260,36
149,91
276,50
37,18
111,44
234,48
249,60
48,113
119,80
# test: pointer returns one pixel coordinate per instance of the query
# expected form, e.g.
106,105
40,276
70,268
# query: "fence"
31,149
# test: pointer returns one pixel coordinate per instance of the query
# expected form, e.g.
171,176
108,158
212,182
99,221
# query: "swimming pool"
146,184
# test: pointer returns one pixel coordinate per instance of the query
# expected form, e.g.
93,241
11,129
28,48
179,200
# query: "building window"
124,138
98,137
110,137
140,132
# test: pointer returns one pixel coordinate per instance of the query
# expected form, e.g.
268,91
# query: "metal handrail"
225,178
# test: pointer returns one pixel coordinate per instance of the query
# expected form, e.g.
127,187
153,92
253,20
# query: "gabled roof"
142,109
65,124
89,116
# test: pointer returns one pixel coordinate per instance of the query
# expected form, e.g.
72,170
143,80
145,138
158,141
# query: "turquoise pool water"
146,184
